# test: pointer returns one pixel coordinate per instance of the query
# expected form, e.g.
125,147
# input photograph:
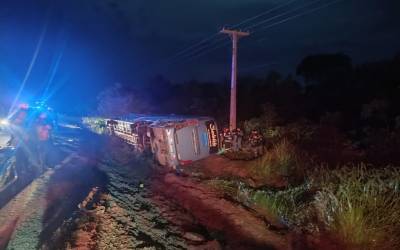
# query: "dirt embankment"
239,227
143,208
217,166
168,212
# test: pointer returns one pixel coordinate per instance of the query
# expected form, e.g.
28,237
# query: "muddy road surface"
33,207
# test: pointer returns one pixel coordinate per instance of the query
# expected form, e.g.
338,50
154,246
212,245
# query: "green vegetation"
289,205
354,205
225,186
267,123
243,155
280,161
360,205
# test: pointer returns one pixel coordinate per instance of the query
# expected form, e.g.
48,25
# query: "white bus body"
174,140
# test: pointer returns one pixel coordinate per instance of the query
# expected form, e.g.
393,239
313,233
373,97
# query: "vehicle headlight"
4,122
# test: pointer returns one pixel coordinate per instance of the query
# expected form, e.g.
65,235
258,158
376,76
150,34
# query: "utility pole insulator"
235,35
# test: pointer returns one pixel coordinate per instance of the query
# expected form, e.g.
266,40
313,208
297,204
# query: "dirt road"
153,209
135,206
40,206
22,215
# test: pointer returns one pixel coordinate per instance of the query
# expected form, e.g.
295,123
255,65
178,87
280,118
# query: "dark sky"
100,42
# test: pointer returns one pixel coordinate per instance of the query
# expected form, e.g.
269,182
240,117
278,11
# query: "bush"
268,124
243,155
282,160
289,205
299,132
360,206
224,186
356,206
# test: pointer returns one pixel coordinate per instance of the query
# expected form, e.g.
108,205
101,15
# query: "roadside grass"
227,187
282,160
289,206
244,155
283,205
358,206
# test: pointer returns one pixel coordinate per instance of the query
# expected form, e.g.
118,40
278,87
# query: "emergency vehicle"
34,122
174,140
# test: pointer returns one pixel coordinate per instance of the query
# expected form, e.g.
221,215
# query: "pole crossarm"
237,33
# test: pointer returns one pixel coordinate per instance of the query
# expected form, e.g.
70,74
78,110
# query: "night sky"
89,44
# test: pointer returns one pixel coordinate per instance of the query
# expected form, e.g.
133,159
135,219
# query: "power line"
194,46
299,15
263,14
283,14
187,50
255,67
195,51
193,55
254,25
189,59
251,68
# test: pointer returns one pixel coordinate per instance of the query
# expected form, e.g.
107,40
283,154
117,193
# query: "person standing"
256,142
227,139
239,134
234,140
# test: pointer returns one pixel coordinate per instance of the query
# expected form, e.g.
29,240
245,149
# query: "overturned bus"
174,140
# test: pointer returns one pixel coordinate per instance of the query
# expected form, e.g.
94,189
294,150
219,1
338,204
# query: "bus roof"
162,120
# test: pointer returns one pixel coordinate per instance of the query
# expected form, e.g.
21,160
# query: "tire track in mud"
173,212
240,228
163,211
148,213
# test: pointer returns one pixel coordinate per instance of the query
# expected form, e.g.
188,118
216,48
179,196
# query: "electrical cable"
188,50
299,15
193,54
263,14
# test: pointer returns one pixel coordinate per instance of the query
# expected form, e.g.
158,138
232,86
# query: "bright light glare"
71,126
4,122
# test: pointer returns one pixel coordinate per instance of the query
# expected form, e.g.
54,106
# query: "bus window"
204,139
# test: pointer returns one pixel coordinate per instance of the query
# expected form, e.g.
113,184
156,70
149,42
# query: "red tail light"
185,163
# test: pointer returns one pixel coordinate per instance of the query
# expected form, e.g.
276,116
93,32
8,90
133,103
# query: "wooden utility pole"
235,35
